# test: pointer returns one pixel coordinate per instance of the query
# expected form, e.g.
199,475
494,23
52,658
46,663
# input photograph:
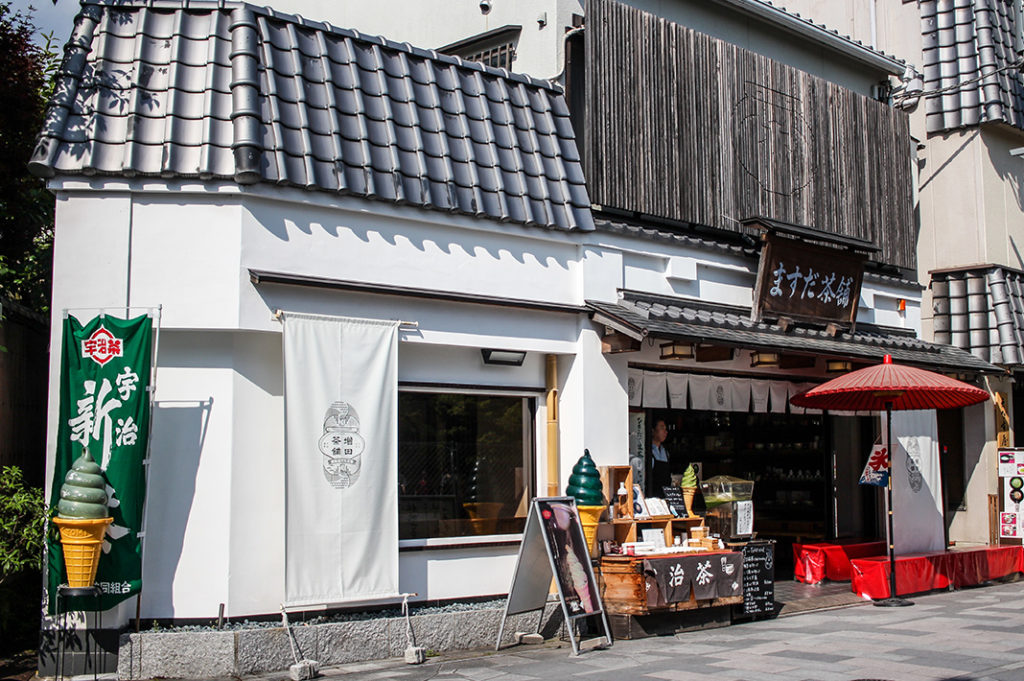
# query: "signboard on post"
105,384
803,281
554,546
1011,514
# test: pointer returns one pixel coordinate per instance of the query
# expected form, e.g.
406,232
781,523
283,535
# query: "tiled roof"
981,310
644,231
229,91
691,320
971,42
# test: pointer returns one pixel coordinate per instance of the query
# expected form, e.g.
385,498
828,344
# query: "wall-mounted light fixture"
712,353
677,350
764,359
510,358
838,366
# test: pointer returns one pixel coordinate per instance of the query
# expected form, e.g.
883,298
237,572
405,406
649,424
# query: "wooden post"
551,383
993,520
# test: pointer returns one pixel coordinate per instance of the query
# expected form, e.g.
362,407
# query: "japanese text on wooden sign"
809,282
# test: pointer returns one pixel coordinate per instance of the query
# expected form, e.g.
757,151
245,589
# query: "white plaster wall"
448,573
187,547
184,255
257,474
594,404
429,363
410,247
1003,183
971,526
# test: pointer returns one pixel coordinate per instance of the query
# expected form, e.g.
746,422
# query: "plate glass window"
464,464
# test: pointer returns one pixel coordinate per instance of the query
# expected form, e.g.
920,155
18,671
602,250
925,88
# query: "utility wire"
1015,66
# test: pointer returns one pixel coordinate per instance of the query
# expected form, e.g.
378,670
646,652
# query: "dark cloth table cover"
708,575
814,563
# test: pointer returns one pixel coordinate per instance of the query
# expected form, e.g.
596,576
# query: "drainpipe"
874,24
551,383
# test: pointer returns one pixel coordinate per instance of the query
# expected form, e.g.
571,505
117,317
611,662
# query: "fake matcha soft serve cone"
82,519
689,485
585,487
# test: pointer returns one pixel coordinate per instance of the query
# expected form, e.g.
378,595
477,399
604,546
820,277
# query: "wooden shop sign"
804,281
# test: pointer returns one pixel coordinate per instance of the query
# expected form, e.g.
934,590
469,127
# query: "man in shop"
658,474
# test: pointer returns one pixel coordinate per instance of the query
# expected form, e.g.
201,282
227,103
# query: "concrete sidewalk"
971,635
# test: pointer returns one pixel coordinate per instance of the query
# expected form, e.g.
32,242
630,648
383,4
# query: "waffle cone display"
688,494
589,517
81,540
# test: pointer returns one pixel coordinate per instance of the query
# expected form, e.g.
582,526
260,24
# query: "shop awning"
639,315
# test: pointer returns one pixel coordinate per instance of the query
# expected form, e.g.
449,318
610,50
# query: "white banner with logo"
341,459
916,483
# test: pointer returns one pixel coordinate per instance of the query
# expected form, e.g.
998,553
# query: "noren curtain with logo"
341,453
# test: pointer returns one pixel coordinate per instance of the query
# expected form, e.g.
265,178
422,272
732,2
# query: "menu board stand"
554,546
758,580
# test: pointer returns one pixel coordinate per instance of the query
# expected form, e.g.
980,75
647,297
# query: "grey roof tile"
693,320
981,310
219,90
971,42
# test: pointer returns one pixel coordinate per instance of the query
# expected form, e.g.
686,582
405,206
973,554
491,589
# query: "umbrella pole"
893,600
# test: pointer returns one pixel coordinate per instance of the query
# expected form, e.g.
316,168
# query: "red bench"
814,563
922,572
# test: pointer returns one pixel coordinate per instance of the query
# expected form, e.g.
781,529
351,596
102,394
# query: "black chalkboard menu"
758,578
673,496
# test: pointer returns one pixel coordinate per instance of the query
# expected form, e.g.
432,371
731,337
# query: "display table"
922,572
630,587
814,563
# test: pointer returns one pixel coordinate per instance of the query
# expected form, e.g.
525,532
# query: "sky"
57,18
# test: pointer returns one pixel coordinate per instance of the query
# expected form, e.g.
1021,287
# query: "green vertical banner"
105,406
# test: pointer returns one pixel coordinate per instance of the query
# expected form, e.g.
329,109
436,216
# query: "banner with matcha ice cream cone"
105,407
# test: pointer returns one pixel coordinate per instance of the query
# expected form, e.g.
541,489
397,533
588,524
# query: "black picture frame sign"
673,496
554,546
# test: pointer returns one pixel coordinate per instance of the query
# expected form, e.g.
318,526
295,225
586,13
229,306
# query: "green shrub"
22,514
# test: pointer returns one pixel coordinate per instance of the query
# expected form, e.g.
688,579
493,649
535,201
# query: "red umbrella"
890,387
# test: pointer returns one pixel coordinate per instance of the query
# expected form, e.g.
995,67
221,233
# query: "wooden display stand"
624,590
621,578
626,527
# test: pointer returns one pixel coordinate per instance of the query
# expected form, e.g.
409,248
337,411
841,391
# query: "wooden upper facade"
682,126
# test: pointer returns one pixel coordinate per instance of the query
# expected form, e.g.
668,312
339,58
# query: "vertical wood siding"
687,127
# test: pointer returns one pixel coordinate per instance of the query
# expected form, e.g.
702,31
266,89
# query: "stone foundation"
209,654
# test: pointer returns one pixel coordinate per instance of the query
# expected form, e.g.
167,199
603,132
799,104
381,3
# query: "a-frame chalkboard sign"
554,545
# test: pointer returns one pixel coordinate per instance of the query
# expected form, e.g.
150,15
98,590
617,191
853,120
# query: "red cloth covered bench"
814,563
922,572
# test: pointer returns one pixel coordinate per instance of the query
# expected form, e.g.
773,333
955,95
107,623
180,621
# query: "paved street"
971,635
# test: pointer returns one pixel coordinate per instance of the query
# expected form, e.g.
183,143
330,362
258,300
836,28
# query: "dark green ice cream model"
585,482
84,493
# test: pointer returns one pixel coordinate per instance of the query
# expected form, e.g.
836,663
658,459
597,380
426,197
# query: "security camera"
485,6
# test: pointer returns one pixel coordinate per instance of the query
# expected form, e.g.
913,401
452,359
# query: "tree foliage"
26,207
22,515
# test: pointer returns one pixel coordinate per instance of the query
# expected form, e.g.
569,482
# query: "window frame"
531,396
502,42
